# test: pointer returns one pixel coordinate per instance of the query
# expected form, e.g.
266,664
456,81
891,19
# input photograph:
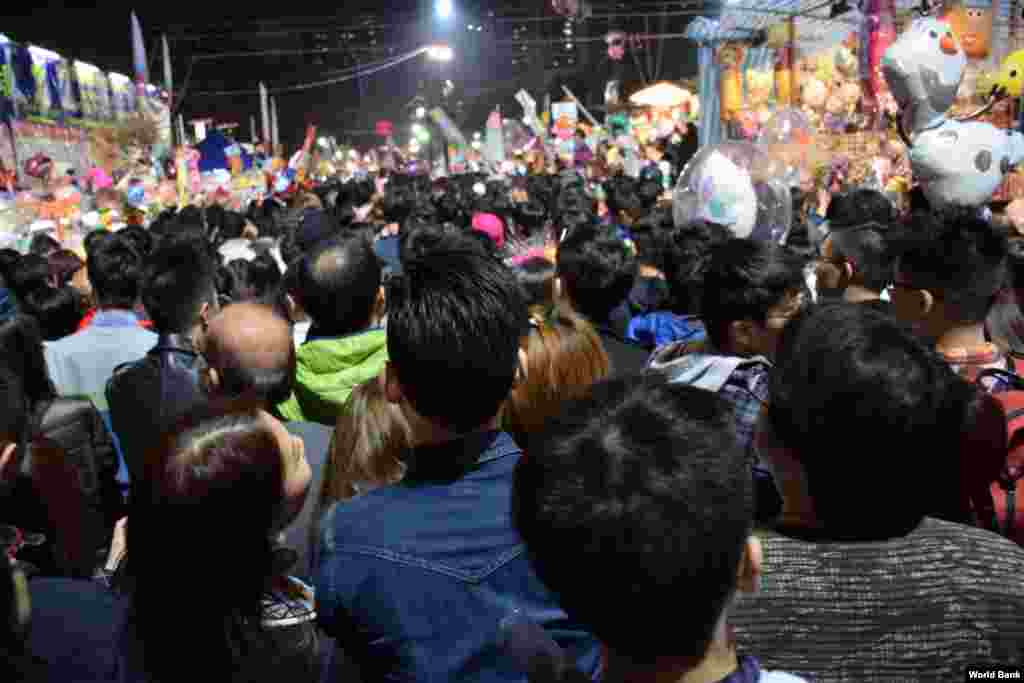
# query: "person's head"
138,238
562,358
850,379
114,270
14,425
950,265
58,310
21,352
370,439
178,287
250,353
855,255
1005,321
751,288
858,207
596,269
454,322
218,486
636,506
687,255
43,245
340,285
537,277
31,272
264,276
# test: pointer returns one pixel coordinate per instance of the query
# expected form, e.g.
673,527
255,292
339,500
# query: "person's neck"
426,433
719,661
858,294
966,336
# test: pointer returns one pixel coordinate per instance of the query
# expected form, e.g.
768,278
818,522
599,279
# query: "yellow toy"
1011,74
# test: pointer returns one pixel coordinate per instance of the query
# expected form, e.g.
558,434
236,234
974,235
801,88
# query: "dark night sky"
100,35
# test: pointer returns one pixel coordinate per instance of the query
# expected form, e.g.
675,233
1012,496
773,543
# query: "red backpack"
1006,515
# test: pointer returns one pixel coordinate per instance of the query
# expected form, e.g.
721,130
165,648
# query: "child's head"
369,440
636,507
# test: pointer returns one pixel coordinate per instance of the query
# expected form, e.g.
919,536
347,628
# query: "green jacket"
326,372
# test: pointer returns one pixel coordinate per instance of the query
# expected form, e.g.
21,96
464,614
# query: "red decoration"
385,129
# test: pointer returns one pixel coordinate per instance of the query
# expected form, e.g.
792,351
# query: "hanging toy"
877,33
957,161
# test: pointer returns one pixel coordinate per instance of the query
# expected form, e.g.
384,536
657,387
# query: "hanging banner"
495,139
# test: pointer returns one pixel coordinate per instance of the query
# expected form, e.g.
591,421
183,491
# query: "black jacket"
148,396
71,463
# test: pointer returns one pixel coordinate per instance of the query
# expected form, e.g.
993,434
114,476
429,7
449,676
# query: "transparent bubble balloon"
517,136
737,185
788,137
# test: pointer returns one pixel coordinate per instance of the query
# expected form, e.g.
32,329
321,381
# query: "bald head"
249,347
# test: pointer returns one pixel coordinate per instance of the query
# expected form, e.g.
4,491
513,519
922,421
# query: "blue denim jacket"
415,579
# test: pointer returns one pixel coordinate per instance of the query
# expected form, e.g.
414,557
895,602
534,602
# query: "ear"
927,301
204,316
558,288
742,333
392,389
7,460
848,270
748,578
520,369
381,302
211,381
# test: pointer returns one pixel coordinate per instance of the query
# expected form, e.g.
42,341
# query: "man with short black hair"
861,578
81,363
629,489
415,578
950,267
148,396
339,288
597,268
751,288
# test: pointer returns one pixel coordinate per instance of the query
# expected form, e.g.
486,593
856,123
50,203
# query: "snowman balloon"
957,161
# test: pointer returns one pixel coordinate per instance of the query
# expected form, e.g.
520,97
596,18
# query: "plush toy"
730,57
972,24
957,162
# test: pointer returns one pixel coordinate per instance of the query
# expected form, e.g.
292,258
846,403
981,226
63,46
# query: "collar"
452,460
115,317
314,333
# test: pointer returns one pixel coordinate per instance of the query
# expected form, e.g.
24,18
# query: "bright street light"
444,8
421,112
441,53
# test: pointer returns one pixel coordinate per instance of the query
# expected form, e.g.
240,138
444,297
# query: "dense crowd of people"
503,430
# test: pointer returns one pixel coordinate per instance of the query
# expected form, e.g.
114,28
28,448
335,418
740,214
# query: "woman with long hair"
202,561
562,356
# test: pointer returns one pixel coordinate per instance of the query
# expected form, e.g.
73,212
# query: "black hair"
597,269
649,234
635,500
8,260
536,276
178,278
531,216
58,311
114,271
30,273
454,321
849,377
419,241
232,225
956,252
43,245
744,279
264,276
21,351
687,255
865,246
338,284
139,238
858,207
